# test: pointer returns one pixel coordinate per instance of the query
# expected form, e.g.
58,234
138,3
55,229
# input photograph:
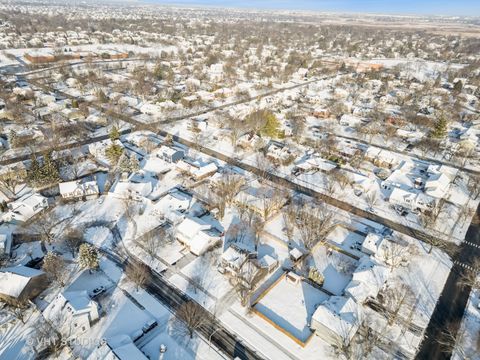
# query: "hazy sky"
435,7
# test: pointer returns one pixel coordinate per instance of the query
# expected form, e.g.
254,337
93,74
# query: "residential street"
451,305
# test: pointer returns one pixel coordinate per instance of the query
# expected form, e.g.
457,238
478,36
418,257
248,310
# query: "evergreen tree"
458,87
440,129
13,138
113,153
271,127
88,257
114,134
34,171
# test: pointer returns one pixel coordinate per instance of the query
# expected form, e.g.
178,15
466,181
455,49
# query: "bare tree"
43,226
152,241
474,186
242,282
10,180
371,198
55,267
394,254
18,310
289,220
138,273
190,316
452,340
224,191
314,224
73,239
272,200
471,276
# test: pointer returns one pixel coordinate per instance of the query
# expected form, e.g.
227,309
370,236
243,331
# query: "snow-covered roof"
339,314
234,256
437,185
128,188
197,234
367,280
78,300
372,242
13,280
72,186
124,348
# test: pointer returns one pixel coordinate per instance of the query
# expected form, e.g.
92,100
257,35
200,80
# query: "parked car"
97,291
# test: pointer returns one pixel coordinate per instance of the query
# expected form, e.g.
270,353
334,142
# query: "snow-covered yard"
292,313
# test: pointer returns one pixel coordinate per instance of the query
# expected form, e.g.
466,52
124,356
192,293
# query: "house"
197,235
233,259
438,181
131,190
24,208
337,320
278,151
321,113
314,164
150,109
367,280
78,311
372,244
197,170
170,155
118,347
362,182
412,200
381,158
20,283
263,200
76,189
5,242
249,141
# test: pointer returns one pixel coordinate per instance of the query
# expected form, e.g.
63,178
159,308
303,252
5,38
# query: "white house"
131,190
438,182
197,235
24,208
337,319
367,280
196,170
75,309
76,189
150,109
169,154
372,244
315,163
412,200
278,151
173,206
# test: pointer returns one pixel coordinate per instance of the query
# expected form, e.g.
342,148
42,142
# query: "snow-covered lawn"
204,272
16,338
291,306
336,268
